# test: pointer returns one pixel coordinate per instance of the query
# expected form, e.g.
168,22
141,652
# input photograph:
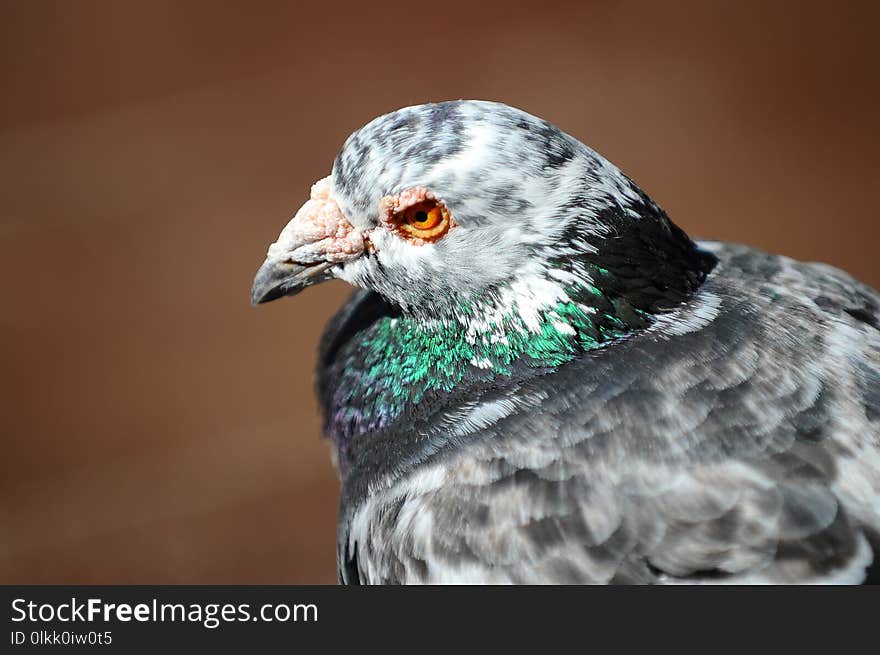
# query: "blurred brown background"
155,427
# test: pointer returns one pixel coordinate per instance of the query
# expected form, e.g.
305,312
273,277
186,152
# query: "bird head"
435,206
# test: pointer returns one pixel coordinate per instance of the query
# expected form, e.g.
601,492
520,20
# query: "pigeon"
541,379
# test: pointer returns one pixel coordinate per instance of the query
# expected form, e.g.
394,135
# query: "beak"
315,241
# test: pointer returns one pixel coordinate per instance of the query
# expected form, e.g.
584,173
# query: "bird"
541,379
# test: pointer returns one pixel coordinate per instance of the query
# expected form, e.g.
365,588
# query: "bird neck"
399,367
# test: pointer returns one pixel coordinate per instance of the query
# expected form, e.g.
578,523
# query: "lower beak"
276,279
315,241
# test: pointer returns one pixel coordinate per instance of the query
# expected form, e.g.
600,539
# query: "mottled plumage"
566,389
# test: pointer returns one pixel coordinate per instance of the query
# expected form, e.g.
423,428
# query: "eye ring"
427,220
417,215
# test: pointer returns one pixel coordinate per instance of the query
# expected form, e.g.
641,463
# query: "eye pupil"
421,216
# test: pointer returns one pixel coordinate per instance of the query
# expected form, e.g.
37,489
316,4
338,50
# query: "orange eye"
426,220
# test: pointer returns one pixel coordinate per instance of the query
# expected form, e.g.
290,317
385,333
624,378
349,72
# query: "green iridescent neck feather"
398,361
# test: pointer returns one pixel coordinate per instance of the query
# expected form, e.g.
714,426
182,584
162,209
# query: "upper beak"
317,239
